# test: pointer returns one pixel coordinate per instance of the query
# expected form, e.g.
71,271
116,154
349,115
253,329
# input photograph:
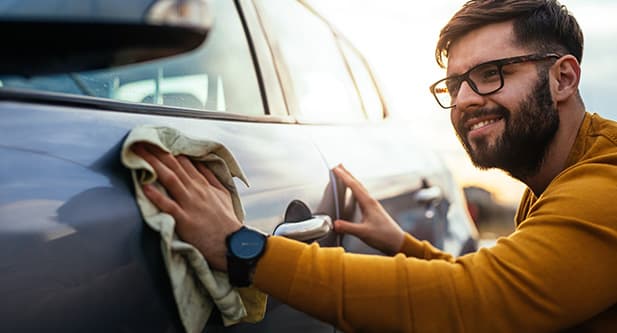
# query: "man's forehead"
494,41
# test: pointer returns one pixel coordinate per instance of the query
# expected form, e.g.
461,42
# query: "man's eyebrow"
453,75
477,63
463,72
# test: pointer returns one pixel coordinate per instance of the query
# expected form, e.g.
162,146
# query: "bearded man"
512,90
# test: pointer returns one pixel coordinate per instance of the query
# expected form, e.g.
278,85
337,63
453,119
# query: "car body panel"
66,195
75,254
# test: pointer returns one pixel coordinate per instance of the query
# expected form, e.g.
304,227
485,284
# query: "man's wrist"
244,248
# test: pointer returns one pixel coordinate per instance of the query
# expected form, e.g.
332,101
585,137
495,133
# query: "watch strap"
240,271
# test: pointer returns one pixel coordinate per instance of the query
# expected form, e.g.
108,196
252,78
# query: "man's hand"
377,228
199,203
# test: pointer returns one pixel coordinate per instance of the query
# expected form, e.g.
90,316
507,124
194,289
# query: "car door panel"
63,164
75,254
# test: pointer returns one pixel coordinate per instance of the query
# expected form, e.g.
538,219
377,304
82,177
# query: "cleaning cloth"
195,286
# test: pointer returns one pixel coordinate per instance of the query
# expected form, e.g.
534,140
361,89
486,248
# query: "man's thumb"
346,227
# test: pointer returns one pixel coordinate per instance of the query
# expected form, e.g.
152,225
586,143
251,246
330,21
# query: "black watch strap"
240,271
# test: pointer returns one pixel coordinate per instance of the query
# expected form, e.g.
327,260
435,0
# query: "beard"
521,149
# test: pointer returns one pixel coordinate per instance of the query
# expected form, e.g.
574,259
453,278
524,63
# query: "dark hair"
545,25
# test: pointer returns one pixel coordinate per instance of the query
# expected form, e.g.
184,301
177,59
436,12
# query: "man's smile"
481,126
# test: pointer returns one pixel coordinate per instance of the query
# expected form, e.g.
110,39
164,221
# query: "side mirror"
46,37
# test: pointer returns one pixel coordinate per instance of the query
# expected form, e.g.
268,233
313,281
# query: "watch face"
246,244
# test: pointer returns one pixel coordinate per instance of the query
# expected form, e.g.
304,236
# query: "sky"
398,39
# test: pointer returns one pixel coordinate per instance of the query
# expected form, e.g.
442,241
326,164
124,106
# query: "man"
512,90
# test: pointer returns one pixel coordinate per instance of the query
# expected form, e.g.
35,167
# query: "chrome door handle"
314,228
428,195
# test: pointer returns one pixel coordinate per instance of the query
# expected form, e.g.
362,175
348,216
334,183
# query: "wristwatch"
244,248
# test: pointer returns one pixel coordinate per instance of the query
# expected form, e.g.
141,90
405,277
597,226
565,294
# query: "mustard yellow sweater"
557,271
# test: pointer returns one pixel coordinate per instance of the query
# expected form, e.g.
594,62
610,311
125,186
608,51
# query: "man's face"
512,128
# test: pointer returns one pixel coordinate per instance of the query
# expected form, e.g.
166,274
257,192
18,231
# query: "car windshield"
218,76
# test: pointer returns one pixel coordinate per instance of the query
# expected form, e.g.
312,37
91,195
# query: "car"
272,80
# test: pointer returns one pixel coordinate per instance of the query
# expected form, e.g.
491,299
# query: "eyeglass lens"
484,79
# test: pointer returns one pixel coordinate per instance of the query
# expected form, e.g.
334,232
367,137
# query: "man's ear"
566,74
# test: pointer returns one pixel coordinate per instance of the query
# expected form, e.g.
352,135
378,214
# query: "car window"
310,63
218,76
364,81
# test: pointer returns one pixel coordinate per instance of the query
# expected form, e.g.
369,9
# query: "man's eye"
490,73
485,74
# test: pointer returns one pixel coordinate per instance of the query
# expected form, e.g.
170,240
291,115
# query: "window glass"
218,76
373,107
310,62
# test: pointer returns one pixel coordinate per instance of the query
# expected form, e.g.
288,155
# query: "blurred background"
398,39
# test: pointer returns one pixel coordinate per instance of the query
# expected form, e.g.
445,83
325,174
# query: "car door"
329,87
75,253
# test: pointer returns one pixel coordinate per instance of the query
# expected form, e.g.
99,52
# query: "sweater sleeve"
412,247
557,269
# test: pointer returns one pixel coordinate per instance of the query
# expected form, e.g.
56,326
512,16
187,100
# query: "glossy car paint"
75,255
74,246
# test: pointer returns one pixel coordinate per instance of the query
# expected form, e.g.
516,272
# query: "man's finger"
346,227
164,203
356,187
165,176
210,177
190,169
170,161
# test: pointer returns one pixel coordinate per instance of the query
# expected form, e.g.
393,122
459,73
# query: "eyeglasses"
484,79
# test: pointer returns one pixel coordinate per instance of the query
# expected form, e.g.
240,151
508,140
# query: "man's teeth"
482,124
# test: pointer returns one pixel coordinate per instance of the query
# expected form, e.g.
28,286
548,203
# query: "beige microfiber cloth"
195,286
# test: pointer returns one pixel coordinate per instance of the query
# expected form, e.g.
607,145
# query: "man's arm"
558,269
200,204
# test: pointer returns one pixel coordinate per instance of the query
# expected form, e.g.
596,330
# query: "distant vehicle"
273,81
490,216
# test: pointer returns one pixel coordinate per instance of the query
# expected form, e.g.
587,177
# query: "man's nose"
467,98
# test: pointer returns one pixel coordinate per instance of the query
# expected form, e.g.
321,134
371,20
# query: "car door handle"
426,196
314,228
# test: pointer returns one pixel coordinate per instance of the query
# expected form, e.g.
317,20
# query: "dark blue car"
270,79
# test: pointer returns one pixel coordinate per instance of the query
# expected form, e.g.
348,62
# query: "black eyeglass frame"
499,63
